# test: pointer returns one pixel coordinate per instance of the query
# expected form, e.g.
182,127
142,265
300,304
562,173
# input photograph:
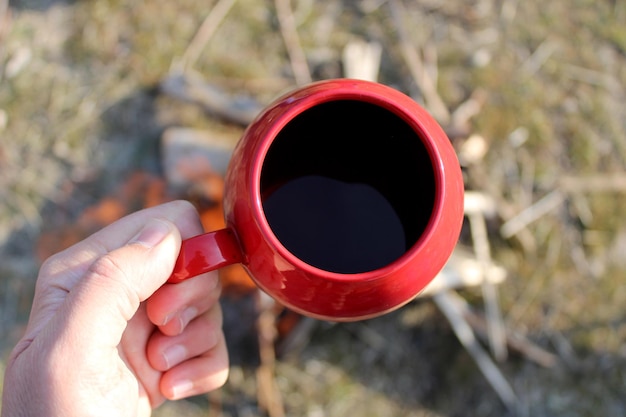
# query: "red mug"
343,200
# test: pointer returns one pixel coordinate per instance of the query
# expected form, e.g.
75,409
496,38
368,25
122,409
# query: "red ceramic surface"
249,239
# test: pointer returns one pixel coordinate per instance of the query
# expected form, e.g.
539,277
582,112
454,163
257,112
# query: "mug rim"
367,92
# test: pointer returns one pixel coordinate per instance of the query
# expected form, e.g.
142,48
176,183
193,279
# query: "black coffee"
334,225
348,186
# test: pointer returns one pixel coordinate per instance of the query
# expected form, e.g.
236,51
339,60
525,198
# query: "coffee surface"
334,225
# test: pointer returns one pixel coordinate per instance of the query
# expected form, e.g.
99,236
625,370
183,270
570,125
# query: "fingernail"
152,233
187,315
184,317
174,355
182,389
168,318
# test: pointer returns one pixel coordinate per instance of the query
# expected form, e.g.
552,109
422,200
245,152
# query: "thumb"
116,283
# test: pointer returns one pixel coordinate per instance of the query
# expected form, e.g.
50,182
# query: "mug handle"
206,252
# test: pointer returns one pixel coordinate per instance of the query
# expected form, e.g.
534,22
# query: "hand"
106,337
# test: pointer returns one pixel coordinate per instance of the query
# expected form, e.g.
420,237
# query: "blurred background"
97,98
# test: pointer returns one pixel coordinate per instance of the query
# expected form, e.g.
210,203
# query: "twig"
532,213
495,328
451,305
508,11
476,207
461,271
4,23
593,183
216,403
592,77
514,341
268,394
506,210
287,23
205,32
539,57
467,110
298,338
430,58
475,202
361,60
416,66
527,177
564,348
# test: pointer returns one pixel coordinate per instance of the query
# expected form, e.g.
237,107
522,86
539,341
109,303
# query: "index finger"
73,262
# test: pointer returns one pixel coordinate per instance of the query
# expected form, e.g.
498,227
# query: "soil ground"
80,108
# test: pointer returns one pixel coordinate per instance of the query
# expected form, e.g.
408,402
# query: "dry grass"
78,106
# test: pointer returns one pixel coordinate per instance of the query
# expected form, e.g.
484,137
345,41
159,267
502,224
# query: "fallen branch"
452,306
288,28
416,66
204,33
